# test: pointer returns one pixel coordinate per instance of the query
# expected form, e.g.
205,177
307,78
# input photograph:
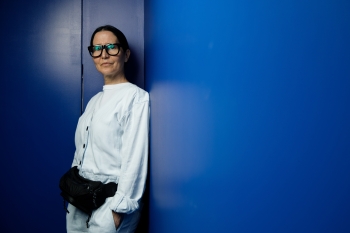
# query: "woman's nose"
104,53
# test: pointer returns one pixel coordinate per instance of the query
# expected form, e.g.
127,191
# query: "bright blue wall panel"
249,115
40,105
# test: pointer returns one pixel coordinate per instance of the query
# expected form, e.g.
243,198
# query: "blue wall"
40,105
250,115
250,108
40,98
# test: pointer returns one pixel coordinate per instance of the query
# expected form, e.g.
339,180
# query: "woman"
111,139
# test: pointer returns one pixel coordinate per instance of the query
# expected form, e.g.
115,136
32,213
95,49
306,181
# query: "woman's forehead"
105,37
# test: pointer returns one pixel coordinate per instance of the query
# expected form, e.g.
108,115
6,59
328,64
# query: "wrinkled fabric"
101,221
111,142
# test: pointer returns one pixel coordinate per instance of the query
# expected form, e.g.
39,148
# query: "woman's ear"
127,55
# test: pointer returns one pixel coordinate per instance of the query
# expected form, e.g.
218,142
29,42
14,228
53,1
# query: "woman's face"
109,66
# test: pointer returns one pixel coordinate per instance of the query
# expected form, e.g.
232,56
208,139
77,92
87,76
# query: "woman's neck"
109,80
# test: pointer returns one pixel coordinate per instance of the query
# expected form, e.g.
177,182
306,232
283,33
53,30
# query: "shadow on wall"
132,69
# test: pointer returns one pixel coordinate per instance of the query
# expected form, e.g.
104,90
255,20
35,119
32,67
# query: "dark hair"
121,37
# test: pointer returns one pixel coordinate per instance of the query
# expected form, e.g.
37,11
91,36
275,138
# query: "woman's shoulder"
93,100
137,94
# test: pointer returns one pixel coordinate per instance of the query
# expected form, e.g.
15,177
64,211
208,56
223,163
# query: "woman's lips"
106,64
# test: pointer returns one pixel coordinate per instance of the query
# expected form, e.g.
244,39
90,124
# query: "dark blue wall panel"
40,98
250,115
40,105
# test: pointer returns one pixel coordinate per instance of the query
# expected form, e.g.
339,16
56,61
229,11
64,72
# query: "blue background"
40,105
249,110
44,44
250,115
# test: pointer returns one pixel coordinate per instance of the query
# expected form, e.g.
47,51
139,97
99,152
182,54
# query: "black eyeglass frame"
104,47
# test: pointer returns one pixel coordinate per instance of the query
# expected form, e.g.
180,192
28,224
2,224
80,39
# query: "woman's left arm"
134,159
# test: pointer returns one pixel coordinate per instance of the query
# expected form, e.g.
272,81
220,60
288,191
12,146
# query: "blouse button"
84,146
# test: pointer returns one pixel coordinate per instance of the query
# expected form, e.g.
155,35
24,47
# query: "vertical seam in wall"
81,60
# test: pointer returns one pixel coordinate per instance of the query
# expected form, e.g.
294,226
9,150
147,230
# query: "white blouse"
111,142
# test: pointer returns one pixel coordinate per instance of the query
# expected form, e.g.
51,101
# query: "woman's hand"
117,219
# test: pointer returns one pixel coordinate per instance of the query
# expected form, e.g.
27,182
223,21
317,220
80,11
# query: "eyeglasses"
111,49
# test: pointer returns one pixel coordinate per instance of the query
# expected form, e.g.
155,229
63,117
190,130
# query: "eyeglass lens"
111,49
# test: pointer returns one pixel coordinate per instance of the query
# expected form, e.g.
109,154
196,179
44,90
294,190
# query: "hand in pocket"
117,219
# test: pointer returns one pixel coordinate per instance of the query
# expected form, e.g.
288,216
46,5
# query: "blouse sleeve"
134,160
